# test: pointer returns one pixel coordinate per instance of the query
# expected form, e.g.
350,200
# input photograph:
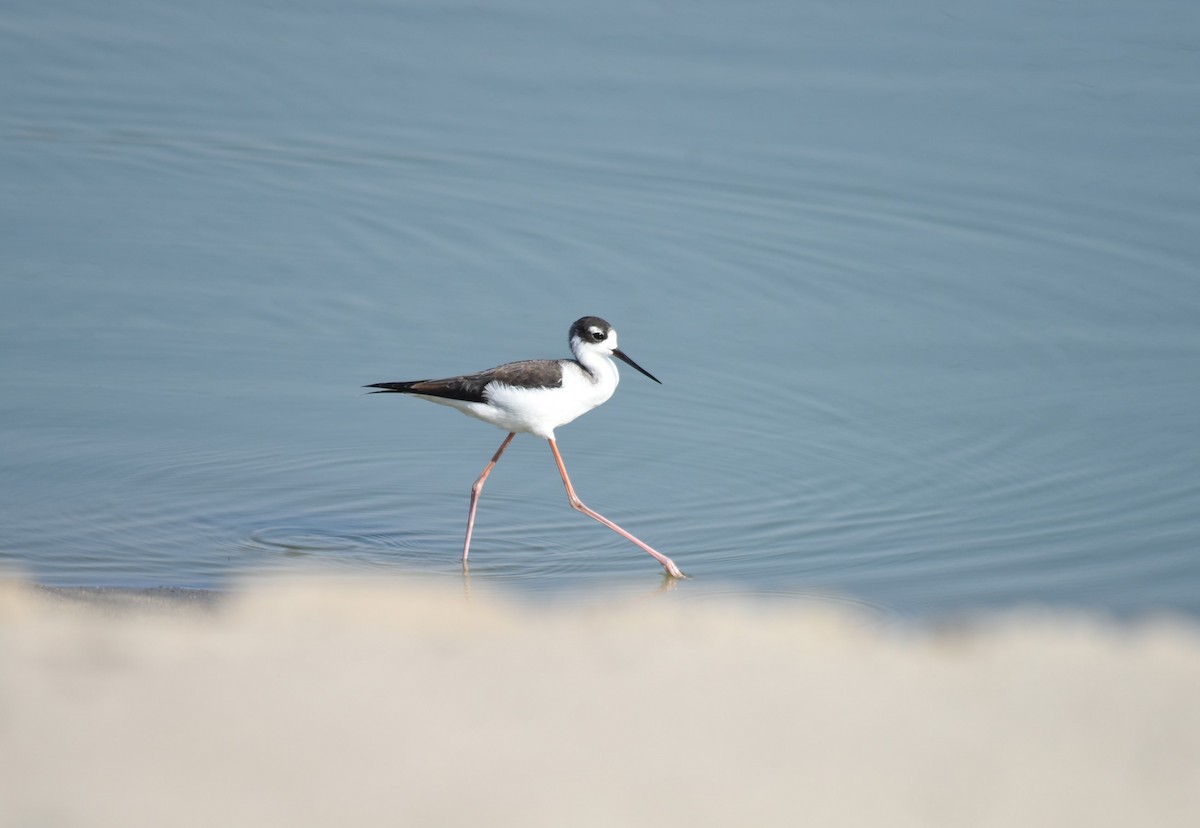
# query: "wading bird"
536,396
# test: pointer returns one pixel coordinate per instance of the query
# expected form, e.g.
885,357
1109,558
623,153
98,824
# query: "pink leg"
578,504
476,489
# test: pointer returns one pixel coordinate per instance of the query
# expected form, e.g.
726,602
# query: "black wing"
529,373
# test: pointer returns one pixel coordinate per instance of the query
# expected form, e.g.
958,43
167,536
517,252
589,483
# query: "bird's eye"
598,336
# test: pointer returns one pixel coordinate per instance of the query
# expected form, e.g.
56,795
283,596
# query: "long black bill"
619,354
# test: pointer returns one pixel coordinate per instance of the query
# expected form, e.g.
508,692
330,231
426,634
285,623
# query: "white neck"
598,363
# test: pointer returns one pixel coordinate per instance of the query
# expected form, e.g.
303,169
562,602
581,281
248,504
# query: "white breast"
539,411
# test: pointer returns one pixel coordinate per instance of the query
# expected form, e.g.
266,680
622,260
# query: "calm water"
920,281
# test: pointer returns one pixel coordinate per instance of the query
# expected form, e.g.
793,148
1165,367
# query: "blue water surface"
920,281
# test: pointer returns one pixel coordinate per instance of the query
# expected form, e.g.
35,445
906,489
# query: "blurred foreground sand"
331,704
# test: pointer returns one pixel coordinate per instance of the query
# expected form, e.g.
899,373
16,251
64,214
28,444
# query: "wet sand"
338,704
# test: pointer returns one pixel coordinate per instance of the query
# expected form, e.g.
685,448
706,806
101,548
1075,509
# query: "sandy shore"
331,704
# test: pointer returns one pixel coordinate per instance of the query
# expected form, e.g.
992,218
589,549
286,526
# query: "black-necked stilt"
536,396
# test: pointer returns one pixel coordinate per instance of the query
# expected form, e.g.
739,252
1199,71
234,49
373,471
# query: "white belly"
539,411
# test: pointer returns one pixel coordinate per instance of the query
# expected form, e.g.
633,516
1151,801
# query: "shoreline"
318,702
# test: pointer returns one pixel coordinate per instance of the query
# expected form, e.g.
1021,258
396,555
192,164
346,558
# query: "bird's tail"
391,387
